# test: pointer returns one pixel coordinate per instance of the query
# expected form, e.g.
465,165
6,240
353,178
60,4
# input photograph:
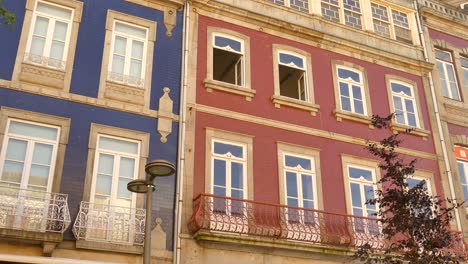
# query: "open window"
292,76
228,59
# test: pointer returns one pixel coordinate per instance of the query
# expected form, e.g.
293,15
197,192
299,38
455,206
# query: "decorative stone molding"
124,93
158,237
170,20
440,43
279,100
165,115
211,85
399,128
459,140
48,248
43,76
340,115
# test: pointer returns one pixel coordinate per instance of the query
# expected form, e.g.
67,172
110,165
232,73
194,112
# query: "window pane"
345,103
357,93
237,194
31,130
399,88
227,43
40,28
453,82
60,31
42,154
129,30
120,45
463,173
237,175
219,191
409,105
293,202
309,204
307,187
219,172
37,47
122,191
291,60
397,103
103,184
16,149
127,167
358,107
123,203
356,173
137,49
106,164
54,10
12,171
291,184
443,55
293,162
99,199
356,195
56,51
369,193
118,64
345,74
443,81
135,68
344,89
411,119
221,148
39,175
118,145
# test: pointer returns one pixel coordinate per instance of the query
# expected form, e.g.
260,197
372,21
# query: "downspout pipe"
437,114
181,137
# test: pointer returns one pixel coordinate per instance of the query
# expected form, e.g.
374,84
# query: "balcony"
32,214
235,216
106,227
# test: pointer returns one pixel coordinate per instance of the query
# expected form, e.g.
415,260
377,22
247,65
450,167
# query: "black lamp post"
155,168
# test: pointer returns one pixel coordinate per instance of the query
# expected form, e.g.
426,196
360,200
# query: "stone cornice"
442,22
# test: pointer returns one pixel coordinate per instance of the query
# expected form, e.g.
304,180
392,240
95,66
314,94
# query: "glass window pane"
293,202
99,199
237,194
60,31
293,162
399,88
357,173
345,103
54,10
369,194
103,184
307,187
42,154
120,45
219,191
358,107
221,148
123,203
31,130
344,89
463,173
129,30
39,175
357,212
56,51
397,103
357,93
291,60
291,184
106,164
118,145
137,49
37,48
356,195
409,105
227,43
443,81
237,175
118,65
127,167
443,55
219,172
347,74
411,119
309,204
16,149
122,191
40,28
12,171
135,68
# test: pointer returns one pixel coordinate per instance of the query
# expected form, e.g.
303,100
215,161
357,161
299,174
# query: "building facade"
279,104
89,93
446,35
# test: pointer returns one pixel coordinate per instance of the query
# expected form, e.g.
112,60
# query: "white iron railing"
110,224
126,79
44,61
32,210
444,9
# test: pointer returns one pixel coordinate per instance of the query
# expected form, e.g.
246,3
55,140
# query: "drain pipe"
437,113
181,137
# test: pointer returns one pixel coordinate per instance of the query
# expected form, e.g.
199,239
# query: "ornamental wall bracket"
165,116
170,20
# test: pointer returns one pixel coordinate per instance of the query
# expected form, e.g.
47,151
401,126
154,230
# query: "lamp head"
159,168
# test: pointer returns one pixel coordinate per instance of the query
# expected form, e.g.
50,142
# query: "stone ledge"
106,246
397,128
279,100
340,115
31,235
211,85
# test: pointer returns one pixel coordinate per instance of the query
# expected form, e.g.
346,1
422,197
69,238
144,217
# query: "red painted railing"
231,215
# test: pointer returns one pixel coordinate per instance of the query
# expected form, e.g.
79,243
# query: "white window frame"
390,22
304,69
464,68
351,83
115,175
29,152
48,39
298,172
361,182
444,74
126,73
341,11
403,98
229,49
464,184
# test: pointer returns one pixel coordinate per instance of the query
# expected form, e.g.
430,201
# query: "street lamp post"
153,169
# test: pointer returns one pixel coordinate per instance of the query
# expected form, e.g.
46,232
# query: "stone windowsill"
279,100
106,246
16,234
211,85
340,115
397,128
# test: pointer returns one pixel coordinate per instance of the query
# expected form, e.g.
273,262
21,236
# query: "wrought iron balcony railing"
32,210
110,224
231,215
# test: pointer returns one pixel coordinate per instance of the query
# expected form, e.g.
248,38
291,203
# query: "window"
46,49
464,65
351,90
292,76
300,187
463,170
404,104
228,59
128,58
395,26
29,156
346,12
362,188
447,77
116,164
